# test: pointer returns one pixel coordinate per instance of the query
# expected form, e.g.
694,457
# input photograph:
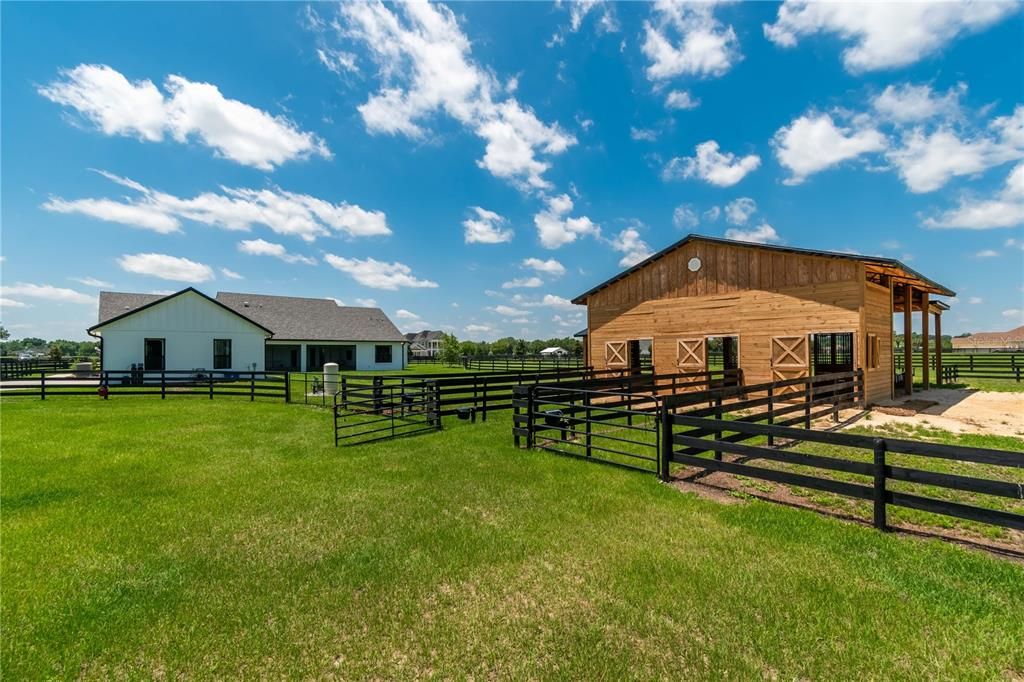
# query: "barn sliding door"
691,355
791,359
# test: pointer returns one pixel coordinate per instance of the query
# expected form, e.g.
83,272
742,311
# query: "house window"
222,353
872,352
382,354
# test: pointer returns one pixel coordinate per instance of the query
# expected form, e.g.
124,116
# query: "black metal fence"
378,412
730,428
13,368
167,383
968,365
509,363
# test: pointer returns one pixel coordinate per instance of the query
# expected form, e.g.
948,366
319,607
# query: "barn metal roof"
877,261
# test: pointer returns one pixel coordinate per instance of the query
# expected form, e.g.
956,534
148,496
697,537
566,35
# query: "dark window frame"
222,360
377,353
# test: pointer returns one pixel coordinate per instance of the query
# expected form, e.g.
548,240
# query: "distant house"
554,350
189,330
425,344
989,341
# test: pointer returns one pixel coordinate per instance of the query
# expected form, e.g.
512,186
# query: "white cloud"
1006,209
367,302
687,39
552,301
92,282
509,311
286,213
478,329
1014,244
555,228
813,142
261,247
712,166
11,303
685,217
486,228
762,234
578,11
548,267
987,253
191,110
230,274
166,267
377,274
629,243
337,61
712,214
908,103
140,215
404,314
738,211
927,161
884,35
46,292
1013,313
523,283
975,300
426,68
681,99
643,134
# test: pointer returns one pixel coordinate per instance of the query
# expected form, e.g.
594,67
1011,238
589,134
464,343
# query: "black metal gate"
603,426
366,414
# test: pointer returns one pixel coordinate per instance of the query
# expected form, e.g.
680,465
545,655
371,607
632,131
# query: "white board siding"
188,323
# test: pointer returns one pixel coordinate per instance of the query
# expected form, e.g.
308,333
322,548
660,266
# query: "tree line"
452,350
59,348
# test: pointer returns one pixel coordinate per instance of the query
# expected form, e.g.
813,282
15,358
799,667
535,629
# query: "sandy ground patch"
956,410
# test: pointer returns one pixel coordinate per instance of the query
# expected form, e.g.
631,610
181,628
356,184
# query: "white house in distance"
242,332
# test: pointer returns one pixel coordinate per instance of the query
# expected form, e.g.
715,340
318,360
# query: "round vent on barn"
694,264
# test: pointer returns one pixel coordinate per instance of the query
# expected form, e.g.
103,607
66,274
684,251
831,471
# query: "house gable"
188,310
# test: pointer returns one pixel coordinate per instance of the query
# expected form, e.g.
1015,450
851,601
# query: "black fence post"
718,433
530,400
287,387
252,386
163,385
589,427
809,394
879,487
42,385
517,398
665,446
771,414
211,385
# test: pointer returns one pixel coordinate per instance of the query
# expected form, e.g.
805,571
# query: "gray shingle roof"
114,303
313,319
425,335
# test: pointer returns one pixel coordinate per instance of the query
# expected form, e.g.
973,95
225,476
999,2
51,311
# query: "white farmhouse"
189,330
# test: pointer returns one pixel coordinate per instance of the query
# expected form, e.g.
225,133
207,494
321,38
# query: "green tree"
56,354
450,350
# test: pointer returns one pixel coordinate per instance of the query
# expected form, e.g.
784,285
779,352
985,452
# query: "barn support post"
938,348
925,342
908,358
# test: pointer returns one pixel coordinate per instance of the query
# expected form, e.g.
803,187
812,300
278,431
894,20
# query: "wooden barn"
776,312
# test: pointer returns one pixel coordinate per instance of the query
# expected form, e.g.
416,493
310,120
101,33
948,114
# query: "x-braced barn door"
615,354
790,359
691,355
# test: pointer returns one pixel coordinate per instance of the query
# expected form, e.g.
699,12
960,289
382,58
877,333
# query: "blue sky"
471,167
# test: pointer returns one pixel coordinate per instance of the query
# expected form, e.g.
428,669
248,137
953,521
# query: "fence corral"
969,365
730,428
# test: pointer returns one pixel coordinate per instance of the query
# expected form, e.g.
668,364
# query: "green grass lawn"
231,539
